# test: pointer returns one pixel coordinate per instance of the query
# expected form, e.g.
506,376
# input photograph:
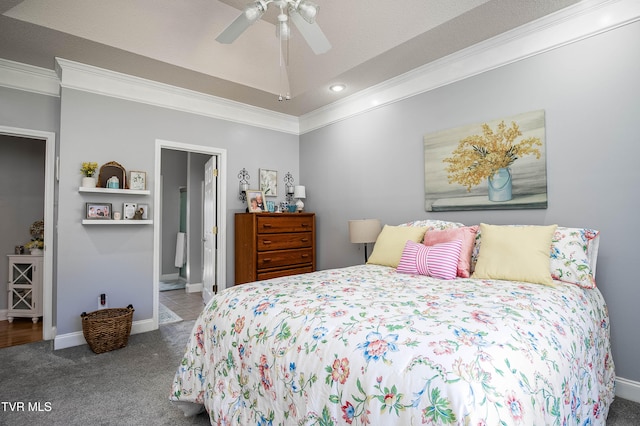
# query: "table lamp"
299,193
364,231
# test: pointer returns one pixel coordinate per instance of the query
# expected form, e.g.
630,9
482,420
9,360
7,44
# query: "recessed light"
337,87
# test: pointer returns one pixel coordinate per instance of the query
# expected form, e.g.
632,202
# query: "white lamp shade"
299,192
364,230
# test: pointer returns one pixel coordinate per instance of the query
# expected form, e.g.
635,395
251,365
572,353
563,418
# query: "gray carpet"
129,386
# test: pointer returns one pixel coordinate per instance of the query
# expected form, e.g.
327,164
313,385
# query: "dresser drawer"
275,259
284,241
284,223
266,275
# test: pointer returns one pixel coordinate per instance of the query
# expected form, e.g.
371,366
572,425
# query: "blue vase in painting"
500,185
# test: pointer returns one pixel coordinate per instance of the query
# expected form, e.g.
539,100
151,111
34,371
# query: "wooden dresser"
270,245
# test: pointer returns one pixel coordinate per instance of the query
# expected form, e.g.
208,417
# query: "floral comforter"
367,345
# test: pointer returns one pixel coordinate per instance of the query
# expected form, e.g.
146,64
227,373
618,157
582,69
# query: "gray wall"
590,91
21,196
119,260
174,175
31,111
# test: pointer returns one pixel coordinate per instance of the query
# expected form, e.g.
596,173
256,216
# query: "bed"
371,344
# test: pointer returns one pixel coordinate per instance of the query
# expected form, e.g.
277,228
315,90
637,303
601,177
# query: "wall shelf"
115,191
116,222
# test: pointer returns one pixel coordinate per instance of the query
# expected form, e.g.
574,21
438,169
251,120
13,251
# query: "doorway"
49,183
194,212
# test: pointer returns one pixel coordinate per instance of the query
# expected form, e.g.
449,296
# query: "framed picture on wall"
98,211
129,210
269,182
137,180
255,201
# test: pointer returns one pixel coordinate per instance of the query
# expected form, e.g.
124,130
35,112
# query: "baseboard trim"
76,338
194,288
628,389
171,277
3,314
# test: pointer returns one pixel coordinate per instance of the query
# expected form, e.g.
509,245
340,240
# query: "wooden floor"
23,330
19,332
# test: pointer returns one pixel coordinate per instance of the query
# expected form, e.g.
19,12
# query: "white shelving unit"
116,222
115,191
109,191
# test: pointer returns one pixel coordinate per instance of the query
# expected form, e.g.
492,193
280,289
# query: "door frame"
221,209
50,173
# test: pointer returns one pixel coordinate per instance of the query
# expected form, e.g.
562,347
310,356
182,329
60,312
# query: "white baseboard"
194,288
77,338
171,277
628,389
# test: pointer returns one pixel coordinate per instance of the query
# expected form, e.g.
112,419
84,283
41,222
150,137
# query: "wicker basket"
107,329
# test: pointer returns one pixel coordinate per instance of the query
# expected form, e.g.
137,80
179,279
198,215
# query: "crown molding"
74,75
583,20
575,23
16,75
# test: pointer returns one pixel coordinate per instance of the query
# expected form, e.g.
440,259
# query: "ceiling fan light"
283,31
254,11
308,10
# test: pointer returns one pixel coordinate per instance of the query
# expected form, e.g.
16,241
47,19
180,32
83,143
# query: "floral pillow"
573,254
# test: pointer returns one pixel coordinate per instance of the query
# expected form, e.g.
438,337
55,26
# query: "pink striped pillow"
438,260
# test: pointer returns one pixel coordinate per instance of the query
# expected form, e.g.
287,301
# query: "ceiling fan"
302,13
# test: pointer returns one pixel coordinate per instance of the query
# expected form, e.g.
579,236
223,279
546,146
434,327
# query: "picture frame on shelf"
137,180
269,182
128,210
98,211
145,210
255,201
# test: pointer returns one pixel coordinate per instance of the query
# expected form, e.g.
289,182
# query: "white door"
210,233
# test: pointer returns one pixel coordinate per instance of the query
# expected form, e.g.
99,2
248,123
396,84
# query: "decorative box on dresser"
270,245
25,287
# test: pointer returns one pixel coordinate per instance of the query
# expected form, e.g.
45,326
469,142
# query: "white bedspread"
367,345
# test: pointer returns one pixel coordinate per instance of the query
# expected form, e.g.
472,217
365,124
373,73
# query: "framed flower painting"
495,165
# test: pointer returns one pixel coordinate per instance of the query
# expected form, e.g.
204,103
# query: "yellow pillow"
516,253
390,243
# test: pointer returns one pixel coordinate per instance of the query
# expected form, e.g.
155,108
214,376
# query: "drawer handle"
305,255
266,242
304,240
266,225
304,225
267,260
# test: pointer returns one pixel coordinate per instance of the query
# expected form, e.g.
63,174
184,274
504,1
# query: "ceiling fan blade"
311,33
233,31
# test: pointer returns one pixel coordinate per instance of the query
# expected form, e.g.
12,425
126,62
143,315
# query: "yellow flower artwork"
498,164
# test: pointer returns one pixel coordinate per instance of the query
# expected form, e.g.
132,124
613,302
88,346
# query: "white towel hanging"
180,249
